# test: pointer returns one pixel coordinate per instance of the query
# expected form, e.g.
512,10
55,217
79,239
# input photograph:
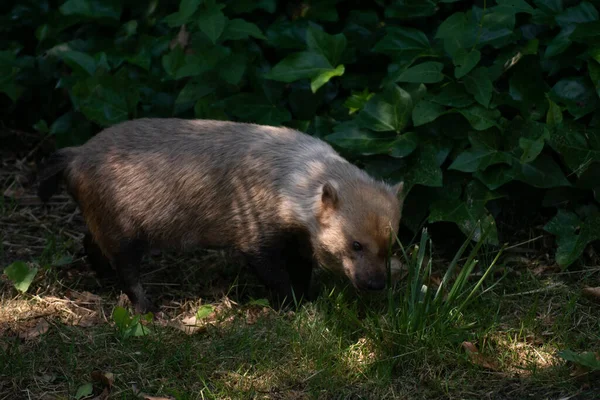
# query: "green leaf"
212,22
84,390
403,145
256,108
478,83
405,43
238,29
578,145
573,235
527,88
187,8
543,173
387,111
515,6
302,65
204,311
453,95
233,68
586,359
357,101
410,9
467,212
480,118
427,72
324,77
76,60
190,94
247,6
531,148
92,8
581,13
459,31
106,100
554,116
464,61
21,275
484,152
330,46
8,74
349,136
577,94
426,111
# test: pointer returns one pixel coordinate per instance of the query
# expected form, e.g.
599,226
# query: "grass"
404,343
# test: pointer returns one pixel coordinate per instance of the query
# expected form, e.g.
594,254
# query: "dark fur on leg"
284,265
97,260
127,263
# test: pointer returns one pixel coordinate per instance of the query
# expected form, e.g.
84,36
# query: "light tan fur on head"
357,222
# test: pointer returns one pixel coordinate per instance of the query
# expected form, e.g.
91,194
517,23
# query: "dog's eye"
357,246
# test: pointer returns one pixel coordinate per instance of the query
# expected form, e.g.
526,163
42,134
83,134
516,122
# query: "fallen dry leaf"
478,358
148,397
85,297
85,321
189,325
106,378
592,292
40,328
182,39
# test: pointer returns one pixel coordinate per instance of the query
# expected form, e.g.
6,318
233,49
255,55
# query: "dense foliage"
477,106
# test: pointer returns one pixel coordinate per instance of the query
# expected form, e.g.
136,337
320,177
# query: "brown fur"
200,183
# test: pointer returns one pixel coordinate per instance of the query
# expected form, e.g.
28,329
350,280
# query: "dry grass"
342,346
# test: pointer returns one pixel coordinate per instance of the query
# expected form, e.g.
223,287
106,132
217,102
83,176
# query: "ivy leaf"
351,137
302,65
453,95
190,94
577,94
239,29
480,118
464,61
478,83
257,108
78,61
8,74
21,275
531,148
187,8
404,43
573,235
427,72
330,46
468,212
542,173
515,6
528,89
426,111
212,22
324,77
105,99
458,31
410,9
484,152
578,145
387,111
92,8
357,101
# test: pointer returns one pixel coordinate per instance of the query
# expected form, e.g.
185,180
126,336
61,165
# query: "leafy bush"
477,106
